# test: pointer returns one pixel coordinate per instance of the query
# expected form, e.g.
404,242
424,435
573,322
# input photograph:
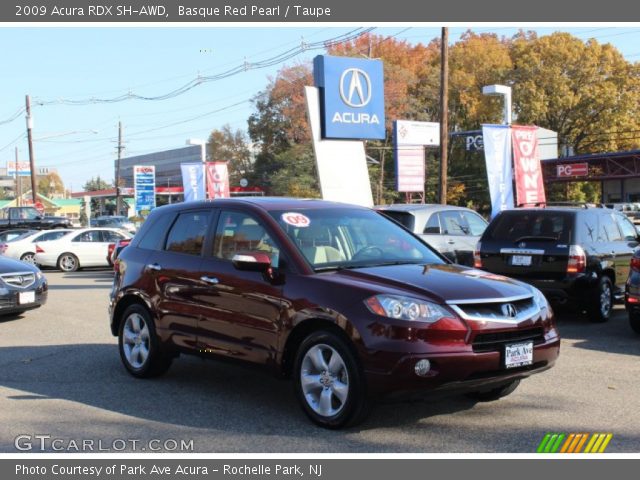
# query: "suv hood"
442,283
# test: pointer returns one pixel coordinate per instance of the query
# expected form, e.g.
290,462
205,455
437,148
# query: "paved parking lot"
60,375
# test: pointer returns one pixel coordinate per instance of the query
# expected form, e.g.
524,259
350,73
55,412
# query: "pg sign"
351,97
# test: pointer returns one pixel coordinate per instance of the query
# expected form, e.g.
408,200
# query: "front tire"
68,262
496,393
328,381
599,310
138,344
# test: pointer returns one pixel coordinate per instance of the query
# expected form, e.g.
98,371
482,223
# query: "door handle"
210,280
451,242
154,266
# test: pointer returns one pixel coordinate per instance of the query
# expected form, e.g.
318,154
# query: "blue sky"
52,64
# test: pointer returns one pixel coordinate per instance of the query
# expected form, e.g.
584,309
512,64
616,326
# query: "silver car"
453,231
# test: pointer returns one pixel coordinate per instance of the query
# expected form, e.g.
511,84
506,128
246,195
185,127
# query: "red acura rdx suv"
340,298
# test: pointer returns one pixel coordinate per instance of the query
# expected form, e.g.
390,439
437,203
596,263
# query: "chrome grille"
19,279
501,310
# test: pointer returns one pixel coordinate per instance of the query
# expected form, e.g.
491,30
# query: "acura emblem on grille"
522,244
509,310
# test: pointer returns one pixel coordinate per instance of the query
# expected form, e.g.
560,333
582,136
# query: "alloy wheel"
324,380
136,340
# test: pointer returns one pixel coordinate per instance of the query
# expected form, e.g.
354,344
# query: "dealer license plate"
518,354
26,297
521,260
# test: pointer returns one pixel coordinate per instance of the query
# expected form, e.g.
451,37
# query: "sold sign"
296,219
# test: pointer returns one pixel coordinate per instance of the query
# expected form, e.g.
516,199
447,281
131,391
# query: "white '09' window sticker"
296,219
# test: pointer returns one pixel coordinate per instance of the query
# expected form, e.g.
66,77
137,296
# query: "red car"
114,249
338,297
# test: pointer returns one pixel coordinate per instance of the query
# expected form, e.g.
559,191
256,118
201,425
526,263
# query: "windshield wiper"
544,238
351,267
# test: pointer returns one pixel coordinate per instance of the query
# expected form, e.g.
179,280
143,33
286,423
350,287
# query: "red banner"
529,185
217,180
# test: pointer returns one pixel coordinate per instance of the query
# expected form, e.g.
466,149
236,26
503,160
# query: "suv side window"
238,232
154,237
453,223
188,233
626,227
611,230
476,223
587,225
433,225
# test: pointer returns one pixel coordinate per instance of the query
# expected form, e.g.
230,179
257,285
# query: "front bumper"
462,371
10,298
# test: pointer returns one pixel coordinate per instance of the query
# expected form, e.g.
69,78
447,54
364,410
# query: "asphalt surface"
62,384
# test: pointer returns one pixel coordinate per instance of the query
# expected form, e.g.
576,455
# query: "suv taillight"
635,264
477,259
577,259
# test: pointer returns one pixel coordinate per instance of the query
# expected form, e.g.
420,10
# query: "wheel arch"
128,299
306,326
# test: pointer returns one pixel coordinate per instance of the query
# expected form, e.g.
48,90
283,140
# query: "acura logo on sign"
355,87
509,310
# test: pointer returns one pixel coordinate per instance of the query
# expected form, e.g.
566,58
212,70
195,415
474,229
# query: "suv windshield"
541,225
336,238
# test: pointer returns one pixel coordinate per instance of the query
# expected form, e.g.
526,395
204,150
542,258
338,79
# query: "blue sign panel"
144,178
351,97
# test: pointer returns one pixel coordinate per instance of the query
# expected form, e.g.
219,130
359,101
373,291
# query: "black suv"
576,256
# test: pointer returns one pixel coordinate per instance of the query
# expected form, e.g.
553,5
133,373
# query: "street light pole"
32,162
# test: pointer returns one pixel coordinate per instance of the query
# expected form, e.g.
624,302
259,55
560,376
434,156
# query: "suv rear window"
519,225
403,218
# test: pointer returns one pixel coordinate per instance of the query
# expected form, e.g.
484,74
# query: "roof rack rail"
575,204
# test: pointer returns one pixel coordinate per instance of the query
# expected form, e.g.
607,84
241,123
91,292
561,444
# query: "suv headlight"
405,308
539,299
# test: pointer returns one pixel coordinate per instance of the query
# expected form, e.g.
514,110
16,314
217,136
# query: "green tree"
297,177
51,184
226,145
96,183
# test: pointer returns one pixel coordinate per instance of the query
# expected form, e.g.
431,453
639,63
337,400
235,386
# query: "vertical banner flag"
497,154
193,181
529,185
409,140
144,181
218,180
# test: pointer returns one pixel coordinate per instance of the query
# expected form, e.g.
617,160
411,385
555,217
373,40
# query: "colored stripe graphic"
574,442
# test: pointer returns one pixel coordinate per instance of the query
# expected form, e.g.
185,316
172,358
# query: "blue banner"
193,181
497,154
351,97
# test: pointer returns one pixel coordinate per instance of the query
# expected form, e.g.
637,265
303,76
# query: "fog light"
422,367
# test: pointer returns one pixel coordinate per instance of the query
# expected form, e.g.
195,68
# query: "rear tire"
634,321
138,344
329,382
599,310
496,393
29,257
68,262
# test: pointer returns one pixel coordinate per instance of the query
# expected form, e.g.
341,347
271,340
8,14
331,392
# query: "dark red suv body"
337,296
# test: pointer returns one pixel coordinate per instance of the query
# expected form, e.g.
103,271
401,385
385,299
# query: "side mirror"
252,261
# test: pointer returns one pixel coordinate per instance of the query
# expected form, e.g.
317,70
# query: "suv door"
624,247
432,234
241,309
175,273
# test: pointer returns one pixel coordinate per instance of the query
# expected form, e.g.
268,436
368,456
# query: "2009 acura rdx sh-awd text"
340,298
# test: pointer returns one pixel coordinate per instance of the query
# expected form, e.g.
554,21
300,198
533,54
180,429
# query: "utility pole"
32,161
120,147
18,181
444,113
